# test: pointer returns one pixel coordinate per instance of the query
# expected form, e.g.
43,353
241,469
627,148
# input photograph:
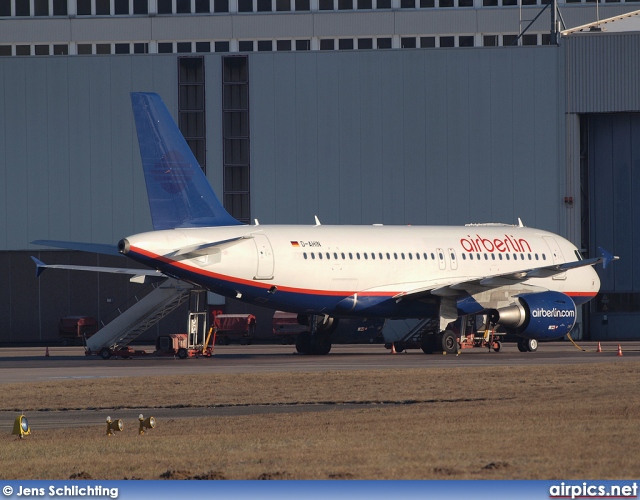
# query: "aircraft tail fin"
179,193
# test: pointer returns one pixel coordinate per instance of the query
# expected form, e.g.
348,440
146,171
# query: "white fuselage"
317,268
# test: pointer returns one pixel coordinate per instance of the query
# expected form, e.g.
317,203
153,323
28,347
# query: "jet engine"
540,316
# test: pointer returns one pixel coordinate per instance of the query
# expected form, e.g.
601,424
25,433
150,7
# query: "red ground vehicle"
235,328
73,329
286,326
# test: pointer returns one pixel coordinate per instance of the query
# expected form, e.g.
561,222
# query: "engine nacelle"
544,315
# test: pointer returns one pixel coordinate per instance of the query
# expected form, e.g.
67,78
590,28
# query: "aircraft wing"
479,284
138,275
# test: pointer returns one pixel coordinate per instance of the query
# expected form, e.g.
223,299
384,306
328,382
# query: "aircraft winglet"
607,257
40,266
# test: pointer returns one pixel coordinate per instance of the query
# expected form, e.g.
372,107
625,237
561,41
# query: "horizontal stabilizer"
101,248
41,266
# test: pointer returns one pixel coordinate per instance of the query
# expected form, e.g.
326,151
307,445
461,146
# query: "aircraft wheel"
427,344
303,342
522,345
320,344
448,342
105,353
497,346
532,345
182,353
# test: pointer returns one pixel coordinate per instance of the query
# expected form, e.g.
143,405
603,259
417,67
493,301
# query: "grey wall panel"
435,21
328,97
440,139
270,26
372,129
264,169
414,100
108,29
191,27
16,142
311,184
58,142
604,72
284,131
25,30
122,130
393,171
36,157
438,144
102,176
354,24
480,150
80,133
350,167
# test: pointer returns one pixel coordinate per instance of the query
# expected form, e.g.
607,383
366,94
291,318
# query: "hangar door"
610,147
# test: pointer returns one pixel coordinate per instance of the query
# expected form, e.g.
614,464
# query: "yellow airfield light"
114,425
145,423
21,427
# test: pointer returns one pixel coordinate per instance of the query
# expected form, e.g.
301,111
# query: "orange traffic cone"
619,350
46,352
599,349
393,348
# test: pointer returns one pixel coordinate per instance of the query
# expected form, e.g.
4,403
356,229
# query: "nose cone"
595,280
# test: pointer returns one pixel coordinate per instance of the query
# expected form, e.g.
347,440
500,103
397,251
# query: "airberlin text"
507,244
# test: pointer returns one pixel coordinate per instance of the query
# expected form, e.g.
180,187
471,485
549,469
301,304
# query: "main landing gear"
440,342
316,340
527,345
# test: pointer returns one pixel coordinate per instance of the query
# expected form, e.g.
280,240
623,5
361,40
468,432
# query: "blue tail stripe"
179,193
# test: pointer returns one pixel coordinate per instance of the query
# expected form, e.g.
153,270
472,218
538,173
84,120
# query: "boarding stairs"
413,338
141,316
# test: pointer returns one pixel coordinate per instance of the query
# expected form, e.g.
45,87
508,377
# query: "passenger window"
388,256
335,255
328,256
320,255
366,257
342,254
305,255
358,255
373,256
508,258
395,255
464,256
350,255
402,255
313,256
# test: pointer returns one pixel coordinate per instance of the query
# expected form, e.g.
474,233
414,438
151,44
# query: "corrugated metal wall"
603,72
408,137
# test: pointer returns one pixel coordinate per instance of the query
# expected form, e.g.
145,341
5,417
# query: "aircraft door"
265,257
442,263
452,256
556,255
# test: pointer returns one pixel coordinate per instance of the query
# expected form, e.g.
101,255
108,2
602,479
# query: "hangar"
357,112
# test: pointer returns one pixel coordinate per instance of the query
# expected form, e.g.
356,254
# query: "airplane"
529,282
